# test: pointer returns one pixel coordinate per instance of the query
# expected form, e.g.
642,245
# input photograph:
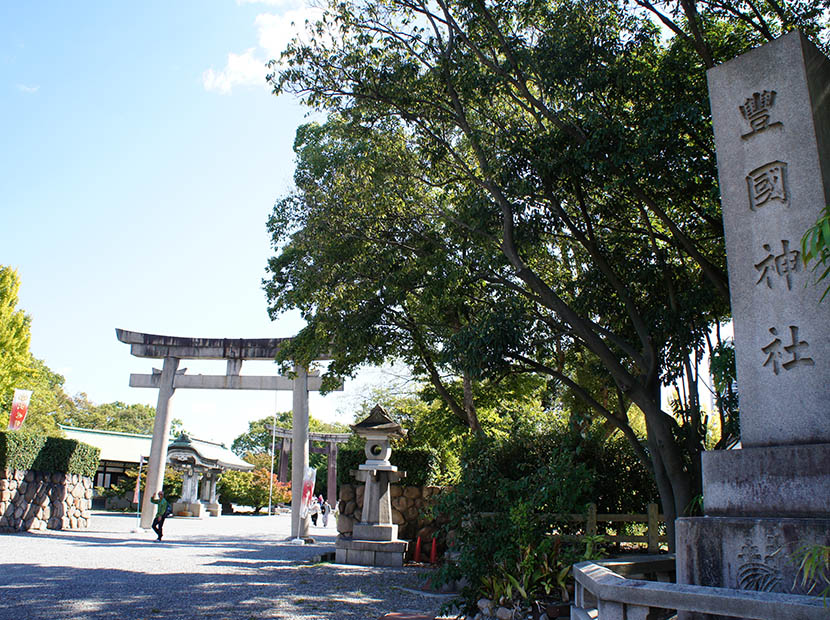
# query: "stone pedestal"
781,481
374,541
370,552
196,509
746,553
762,504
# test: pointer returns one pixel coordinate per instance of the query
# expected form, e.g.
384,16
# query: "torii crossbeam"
172,349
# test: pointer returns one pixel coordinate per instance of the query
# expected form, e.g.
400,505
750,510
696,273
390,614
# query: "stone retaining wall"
408,504
33,500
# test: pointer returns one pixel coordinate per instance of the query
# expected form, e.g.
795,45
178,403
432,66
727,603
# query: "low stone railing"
33,500
602,594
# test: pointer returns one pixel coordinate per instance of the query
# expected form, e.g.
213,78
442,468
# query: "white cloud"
241,70
274,31
29,90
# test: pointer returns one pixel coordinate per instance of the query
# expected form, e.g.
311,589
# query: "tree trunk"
469,405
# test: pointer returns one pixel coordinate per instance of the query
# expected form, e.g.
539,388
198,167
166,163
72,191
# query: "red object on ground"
404,615
433,553
418,549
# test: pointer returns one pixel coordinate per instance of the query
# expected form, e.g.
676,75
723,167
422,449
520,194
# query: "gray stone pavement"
231,567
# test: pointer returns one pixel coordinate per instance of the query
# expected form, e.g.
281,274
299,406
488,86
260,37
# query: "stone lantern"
374,540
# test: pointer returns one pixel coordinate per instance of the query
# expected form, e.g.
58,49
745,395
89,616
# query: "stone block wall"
408,504
33,500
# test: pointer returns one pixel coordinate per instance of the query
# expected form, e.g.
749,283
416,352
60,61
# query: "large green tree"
114,416
258,438
15,361
570,142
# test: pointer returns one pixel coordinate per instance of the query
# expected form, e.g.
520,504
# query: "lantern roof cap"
379,421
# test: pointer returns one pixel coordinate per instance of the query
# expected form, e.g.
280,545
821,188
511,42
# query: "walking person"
315,510
326,510
162,512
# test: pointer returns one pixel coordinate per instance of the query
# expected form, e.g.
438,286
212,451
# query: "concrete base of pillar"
370,552
364,531
780,481
744,553
213,510
196,509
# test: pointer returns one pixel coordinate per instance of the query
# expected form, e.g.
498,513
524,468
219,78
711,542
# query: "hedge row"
420,464
21,450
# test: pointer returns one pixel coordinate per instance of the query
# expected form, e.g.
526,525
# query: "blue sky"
141,153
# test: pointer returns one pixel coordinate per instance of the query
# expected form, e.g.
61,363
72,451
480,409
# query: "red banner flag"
20,406
309,477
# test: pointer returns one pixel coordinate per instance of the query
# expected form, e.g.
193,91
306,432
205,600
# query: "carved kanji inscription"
766,184
756,112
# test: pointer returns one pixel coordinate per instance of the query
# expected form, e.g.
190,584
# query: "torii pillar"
299,454
161,434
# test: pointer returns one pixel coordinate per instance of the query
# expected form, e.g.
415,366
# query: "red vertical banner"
309,477
20,406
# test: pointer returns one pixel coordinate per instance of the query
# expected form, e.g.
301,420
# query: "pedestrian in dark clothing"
161,514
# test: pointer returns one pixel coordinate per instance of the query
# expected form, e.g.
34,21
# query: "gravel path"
233,567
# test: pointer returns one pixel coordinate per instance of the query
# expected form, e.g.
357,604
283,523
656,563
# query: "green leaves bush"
420,464
501,517
21,450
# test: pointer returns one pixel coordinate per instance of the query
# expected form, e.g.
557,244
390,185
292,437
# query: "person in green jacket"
161,514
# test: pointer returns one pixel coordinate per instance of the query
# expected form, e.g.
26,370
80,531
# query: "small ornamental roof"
379,422
187,451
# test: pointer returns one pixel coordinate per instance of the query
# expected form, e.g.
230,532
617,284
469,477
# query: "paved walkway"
233,567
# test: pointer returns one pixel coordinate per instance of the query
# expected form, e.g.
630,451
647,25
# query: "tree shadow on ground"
270,588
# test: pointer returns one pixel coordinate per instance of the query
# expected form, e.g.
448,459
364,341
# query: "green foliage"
115,416
814,569
501,509
19,369
815,246
258,439
725,378
505,187
35,452
251,488
420,465
171,485
255,443
50,405
14,336
505,503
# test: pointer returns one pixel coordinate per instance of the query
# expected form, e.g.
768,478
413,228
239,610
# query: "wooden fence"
652,519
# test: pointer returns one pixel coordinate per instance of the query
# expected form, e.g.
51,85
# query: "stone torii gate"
332,439
172,349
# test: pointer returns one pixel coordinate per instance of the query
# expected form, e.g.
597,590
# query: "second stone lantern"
374,540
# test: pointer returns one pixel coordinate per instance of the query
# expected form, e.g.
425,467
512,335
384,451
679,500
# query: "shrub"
251,488
21,450
502,512
171,485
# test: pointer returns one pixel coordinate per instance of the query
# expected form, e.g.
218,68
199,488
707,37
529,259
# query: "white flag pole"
137,495
273,446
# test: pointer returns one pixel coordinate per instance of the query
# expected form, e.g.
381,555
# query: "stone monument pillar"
374,541
771,119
